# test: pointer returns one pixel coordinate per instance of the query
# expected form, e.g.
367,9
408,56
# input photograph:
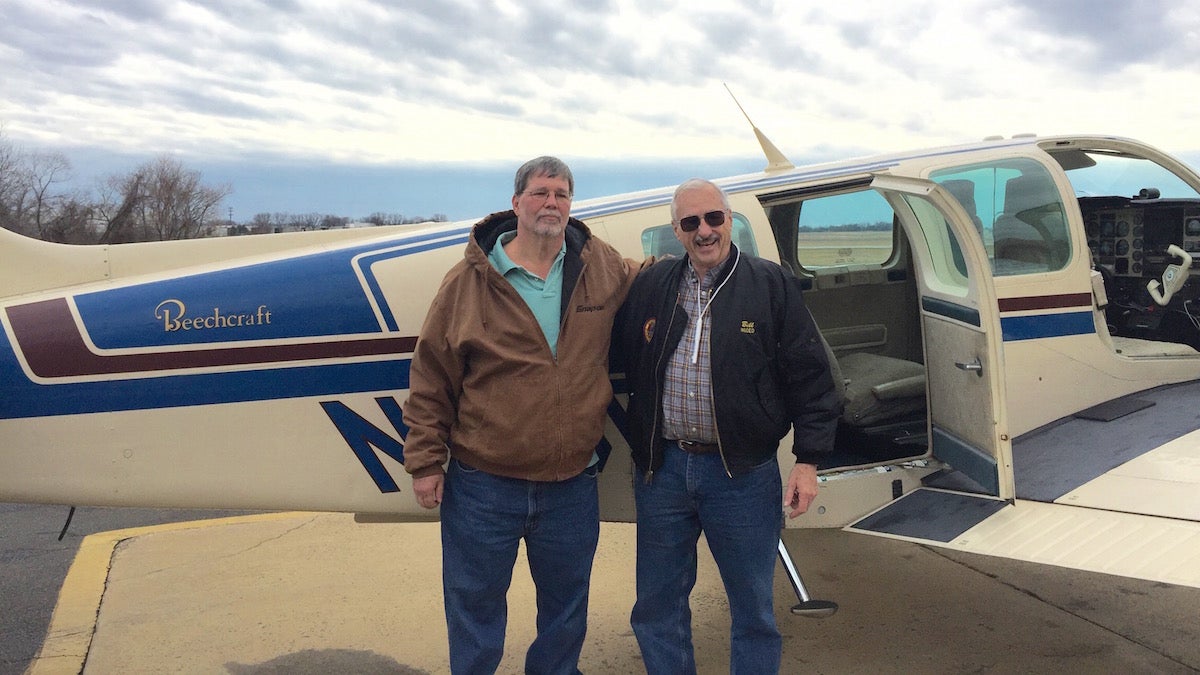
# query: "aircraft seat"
1026,231
880,389
964,191
666,244
876,389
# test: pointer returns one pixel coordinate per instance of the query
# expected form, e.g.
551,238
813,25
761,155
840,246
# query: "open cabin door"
960,324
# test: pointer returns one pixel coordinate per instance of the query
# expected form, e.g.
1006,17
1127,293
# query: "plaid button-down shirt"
687,402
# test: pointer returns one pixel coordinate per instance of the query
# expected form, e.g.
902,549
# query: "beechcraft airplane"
1012,322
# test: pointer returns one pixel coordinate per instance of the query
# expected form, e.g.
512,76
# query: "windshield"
1104,174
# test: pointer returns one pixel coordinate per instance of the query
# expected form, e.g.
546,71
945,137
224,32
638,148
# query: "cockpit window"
1018,212
1107,174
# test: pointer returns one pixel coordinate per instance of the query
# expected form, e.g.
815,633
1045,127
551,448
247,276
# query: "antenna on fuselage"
775,159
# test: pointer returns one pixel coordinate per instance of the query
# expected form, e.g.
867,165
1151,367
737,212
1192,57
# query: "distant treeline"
158,200
881,226
265,223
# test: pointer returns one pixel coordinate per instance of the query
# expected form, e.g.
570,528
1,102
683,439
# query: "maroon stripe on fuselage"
53,347
1045,302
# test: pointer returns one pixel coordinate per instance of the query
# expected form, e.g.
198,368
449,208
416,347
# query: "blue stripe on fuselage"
291,283
310,295
1016,328
23,398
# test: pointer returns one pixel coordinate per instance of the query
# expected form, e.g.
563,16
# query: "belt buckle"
695,447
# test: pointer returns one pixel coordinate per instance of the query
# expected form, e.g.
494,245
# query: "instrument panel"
1132,240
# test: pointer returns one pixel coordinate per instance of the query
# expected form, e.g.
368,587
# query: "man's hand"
429,489
801,489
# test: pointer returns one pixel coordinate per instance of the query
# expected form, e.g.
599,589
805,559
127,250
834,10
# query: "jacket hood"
485,233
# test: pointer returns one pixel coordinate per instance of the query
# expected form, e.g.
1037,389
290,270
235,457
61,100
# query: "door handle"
975,366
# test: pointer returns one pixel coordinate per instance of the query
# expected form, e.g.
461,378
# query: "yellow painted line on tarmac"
73,623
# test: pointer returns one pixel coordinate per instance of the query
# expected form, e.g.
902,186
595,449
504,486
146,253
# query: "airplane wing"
1113,489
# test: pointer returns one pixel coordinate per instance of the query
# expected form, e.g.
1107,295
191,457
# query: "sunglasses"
692,223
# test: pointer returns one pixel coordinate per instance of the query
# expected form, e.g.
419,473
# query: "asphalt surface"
318,593
33,563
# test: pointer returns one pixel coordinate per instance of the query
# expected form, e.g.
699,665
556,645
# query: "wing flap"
1124,544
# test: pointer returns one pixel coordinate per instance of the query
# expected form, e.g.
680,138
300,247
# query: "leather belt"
697,448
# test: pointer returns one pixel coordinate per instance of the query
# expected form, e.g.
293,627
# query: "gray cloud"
241,61
51,43
1118,33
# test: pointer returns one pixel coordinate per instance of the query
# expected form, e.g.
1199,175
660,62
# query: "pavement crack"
232,554
277,537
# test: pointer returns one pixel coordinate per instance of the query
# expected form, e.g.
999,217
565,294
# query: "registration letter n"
362,437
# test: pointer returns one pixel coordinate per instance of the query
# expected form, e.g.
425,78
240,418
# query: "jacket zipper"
562,320
658,391
713,402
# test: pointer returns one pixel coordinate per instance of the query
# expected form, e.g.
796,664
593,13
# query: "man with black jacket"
722,359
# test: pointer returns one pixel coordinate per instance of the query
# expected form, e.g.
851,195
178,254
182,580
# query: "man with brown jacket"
509,388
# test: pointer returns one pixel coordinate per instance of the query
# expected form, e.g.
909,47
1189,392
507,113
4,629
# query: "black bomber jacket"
769,367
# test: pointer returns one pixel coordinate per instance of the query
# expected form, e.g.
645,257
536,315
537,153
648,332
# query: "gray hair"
698,184
551,167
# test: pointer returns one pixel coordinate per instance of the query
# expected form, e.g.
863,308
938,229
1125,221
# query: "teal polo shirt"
544,296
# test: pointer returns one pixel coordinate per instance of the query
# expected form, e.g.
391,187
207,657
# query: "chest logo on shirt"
648,329
748,327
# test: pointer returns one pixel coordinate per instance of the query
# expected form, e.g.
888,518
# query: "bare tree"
306,221
175,205
261,224
31,196
332,222
120,198
161,200
72,223
44,171
9,182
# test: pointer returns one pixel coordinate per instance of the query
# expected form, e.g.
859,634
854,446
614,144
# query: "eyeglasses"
692,223
543,195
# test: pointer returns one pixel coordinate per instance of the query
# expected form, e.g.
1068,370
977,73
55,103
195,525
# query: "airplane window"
1018,212
945,251
852,228
660,240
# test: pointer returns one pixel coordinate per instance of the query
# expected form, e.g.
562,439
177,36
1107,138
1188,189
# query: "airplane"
1010,324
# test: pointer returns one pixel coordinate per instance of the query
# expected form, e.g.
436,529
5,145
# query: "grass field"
821,249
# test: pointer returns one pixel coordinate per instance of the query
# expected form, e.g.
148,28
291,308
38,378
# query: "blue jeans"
741,518
484,517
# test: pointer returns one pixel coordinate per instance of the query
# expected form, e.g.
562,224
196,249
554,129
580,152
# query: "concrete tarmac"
319,593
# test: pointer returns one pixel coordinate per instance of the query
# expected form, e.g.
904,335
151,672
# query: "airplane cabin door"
961,332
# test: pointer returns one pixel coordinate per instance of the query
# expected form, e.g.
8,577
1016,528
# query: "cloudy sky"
427,106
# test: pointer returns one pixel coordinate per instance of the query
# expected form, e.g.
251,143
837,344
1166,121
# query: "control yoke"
1173,278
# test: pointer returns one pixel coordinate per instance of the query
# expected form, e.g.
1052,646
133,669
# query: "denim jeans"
484,517
740,518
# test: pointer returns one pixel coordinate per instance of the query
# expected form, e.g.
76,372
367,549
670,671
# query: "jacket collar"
485,233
